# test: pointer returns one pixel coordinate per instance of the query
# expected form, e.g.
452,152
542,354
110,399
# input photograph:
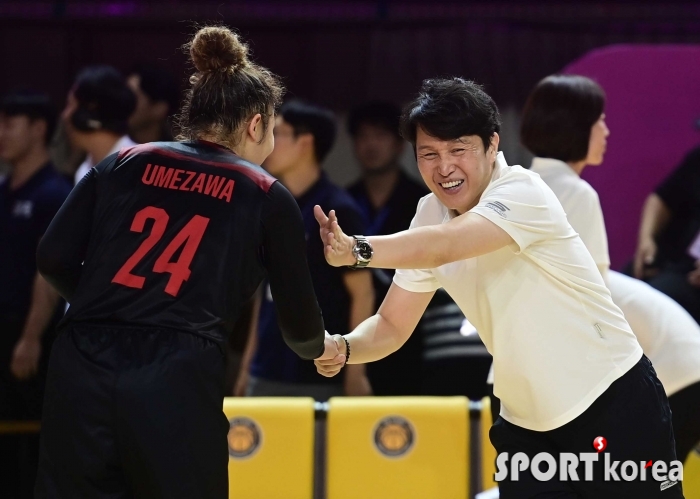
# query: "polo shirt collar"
500,166
551,164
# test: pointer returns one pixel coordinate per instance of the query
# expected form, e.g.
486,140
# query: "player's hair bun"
216,48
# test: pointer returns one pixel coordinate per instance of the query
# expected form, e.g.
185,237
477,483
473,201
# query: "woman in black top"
156,249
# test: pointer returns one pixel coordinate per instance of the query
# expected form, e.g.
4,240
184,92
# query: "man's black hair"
103,97
382,114
309,118
158,84
558,117
34,105
450,108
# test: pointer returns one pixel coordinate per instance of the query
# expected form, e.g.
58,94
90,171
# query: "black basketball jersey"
179,235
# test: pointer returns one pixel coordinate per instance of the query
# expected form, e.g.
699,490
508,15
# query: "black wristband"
347,350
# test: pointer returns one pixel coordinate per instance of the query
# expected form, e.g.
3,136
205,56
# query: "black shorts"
133,413
685,408
633,415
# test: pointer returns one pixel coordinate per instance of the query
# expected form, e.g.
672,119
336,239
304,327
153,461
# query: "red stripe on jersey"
260,179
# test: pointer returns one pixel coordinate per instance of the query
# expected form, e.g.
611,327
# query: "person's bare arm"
383,333
361,290
27,352
655,217
250,347
466,236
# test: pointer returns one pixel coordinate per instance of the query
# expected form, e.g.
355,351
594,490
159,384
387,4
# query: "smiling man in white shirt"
564,125
567,367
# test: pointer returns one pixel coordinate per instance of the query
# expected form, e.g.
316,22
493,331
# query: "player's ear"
255,128
493,147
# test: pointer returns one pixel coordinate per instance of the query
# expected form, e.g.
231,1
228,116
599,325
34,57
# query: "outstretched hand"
337,246
333,359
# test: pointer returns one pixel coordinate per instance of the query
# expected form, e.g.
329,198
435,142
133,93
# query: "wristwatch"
362,251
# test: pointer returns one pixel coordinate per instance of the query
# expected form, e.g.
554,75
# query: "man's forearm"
655,216
373,340
408,249
467,236
361,306
41,310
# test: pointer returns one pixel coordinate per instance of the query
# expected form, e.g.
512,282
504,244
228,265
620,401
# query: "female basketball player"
156,249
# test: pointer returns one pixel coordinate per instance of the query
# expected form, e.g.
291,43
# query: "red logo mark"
599,444
648,465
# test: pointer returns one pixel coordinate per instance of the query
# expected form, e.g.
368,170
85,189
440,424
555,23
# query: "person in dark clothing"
387,197
155,250
304,134
668,250
30,195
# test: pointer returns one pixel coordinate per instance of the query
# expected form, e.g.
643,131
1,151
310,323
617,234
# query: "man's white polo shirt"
668,334
540,304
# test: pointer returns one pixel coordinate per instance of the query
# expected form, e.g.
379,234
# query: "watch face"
364,250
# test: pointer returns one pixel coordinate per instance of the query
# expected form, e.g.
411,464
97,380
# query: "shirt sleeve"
675,191
418,280
284,248
519,206
62,250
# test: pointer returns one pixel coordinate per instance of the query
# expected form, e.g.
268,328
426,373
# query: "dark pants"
495,404
685,410
19,401
632,414
134,413
674,283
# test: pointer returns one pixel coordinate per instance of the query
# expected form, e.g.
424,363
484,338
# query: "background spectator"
157,97
668,250
96,115
304,134
30,195
388,198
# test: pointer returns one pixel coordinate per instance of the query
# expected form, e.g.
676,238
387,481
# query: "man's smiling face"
456,171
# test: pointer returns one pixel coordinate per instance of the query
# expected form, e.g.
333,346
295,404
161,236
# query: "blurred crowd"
46,152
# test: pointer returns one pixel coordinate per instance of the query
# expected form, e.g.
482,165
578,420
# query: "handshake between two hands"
334,355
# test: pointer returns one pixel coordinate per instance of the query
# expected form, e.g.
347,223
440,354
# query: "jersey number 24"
190,236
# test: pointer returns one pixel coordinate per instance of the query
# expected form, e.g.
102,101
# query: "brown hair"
227,89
